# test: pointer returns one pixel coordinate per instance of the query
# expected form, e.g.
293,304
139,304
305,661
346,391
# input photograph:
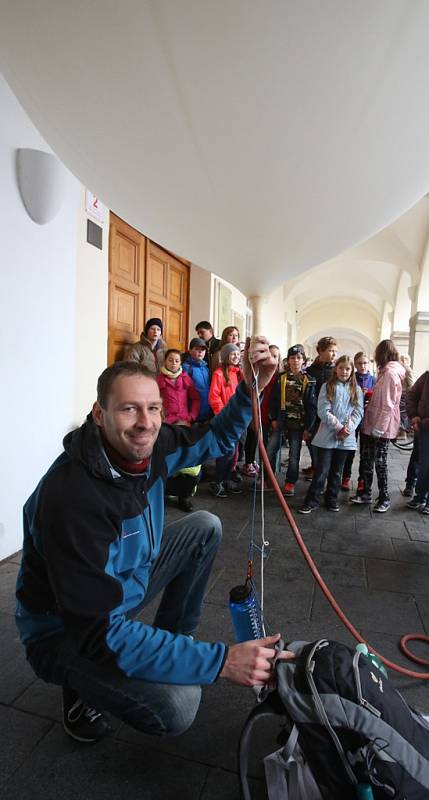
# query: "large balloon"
255,138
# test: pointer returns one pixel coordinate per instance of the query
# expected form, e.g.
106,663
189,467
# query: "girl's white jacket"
336,413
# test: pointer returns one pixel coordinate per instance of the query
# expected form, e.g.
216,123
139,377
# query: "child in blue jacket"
197,369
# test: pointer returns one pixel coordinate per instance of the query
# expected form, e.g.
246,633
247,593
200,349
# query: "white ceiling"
255,138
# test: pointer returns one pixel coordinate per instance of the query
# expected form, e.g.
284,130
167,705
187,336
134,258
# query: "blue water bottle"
245,613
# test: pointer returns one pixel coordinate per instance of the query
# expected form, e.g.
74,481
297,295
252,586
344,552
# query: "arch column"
419,322
401,314
257,303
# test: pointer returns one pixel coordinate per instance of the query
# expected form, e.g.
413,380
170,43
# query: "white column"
257,303
419,322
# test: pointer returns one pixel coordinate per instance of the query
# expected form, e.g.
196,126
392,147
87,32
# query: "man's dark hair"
109,375
204,324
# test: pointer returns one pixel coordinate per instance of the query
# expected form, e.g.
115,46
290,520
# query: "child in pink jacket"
181,405
225,380
380,425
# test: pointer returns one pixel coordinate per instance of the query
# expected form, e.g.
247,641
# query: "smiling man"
96,551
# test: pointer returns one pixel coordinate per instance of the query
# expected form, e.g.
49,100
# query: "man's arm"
251,663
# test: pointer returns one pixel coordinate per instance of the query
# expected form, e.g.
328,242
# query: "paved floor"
377,567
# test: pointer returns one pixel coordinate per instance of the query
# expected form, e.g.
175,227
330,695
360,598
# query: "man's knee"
173,711
208,524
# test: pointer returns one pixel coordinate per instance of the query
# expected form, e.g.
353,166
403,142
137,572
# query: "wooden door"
127,251
144,281
167,294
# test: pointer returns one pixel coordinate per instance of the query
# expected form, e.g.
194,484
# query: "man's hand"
251,663
258,354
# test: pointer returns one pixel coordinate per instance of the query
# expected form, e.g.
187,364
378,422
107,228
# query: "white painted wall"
200,298
37,305
91,312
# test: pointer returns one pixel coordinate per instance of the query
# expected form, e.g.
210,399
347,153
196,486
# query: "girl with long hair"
340,410
225,380
380,425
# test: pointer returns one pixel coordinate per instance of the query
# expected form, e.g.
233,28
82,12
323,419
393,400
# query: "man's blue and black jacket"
91,536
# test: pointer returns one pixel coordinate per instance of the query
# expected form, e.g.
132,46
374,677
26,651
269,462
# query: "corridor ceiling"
256,138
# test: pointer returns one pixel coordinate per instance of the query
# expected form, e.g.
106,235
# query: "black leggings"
373,453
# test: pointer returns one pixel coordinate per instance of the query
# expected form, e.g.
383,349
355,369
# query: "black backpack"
347,726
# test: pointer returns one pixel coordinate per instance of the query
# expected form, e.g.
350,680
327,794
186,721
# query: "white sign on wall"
94,207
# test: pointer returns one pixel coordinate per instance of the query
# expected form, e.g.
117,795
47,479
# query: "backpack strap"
272,706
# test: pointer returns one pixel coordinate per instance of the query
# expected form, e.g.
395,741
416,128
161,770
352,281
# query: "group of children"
326,405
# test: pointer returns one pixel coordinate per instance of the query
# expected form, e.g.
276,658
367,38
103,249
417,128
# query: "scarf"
169,374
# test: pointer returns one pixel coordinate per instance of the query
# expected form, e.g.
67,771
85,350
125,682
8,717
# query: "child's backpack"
350,731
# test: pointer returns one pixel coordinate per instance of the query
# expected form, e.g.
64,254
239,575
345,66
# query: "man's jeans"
182,569
328,464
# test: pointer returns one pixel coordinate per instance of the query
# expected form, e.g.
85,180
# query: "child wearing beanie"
150,350
223,385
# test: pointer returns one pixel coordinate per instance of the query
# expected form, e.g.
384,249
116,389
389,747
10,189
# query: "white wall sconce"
41,182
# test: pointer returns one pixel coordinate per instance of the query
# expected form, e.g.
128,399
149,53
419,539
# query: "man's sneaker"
345,485
233,487
407,492
416,504
381,506
425,510
361,499
306,509
249,470
289,489
333,507
361,486
81,722
217,489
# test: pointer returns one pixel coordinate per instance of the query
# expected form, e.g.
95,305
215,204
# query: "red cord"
326,591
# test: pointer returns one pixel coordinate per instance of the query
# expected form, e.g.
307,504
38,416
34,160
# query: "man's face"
132,419
205,334
329,355
198,353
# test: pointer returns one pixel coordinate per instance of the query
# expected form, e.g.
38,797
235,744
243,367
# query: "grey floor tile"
423,607
343,570
61,768
222,785
42,699
395,576
20,735
418,528
413,552
8,573
386,612
358,544
384,526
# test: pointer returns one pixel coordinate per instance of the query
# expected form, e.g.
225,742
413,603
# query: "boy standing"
196,367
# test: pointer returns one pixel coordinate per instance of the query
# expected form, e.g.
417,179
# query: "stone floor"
376,566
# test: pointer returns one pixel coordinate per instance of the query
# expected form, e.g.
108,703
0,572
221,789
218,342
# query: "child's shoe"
217,489
345,485
361,499
425,510
415,504
185,503
381,505
333,507
305,509
249,470
408,491
289,489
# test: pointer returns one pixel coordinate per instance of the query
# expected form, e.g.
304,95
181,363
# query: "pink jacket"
220,391
382,412
180,398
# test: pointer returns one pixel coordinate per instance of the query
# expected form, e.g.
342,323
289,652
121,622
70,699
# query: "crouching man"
96,551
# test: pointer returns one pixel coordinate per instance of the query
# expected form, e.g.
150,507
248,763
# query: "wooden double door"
144,281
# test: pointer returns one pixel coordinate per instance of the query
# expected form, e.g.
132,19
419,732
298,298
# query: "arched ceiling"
256,139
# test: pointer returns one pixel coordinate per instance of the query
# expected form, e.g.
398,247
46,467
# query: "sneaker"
81,722
361,499
425,510
361,486
217,489
289,489
407,492
306,509
249,470
185,504
333,507
233,487
381,506
416,504
345,485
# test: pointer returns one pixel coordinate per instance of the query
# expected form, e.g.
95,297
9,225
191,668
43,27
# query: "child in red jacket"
225,380
181,404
